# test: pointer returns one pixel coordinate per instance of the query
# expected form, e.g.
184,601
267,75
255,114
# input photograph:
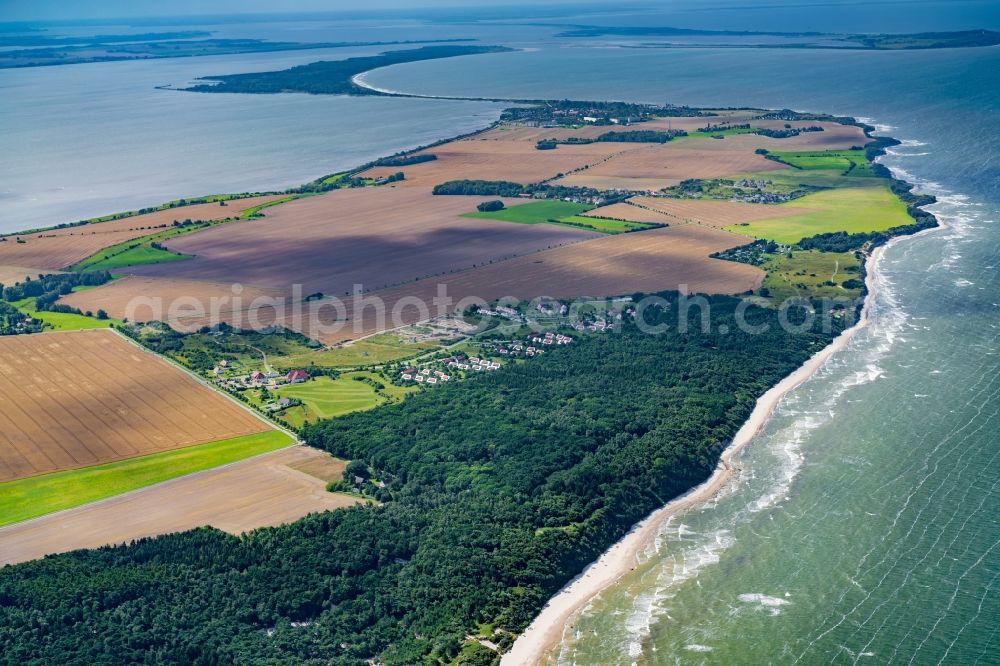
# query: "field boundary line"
260,417
157,485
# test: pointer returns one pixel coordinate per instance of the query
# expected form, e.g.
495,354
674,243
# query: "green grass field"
536,212
604,225
253,211
850,209
143,254
39,495
62,321
553,211
371,351
847,162
326,398
809,274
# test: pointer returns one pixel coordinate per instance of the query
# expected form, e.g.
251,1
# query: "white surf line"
546,631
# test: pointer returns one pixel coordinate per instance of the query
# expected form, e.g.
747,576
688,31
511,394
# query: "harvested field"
654,260
376,237
59,248
712,213
268,490
81,398
625,211
692,123
655,166
490,158
836,137
13,274
149,299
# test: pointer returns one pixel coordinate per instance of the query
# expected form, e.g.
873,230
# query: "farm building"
296,376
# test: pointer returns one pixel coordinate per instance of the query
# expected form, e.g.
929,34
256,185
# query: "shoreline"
537,643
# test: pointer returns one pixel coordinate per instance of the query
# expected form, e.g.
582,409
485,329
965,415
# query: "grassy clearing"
141,251
851,209
135,255
374,351
326,398
604,225
558,212
847,162
138,251
39,495
536,212
795,178
254,211
812,274
62,321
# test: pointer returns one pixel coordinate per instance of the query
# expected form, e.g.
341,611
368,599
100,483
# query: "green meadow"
850,209
62,321
847,162
812,274
536,212
325,397
36,496
554,211
376,350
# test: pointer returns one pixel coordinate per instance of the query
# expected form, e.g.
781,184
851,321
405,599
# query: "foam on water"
680,550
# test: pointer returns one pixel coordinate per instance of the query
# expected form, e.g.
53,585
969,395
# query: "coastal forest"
497,491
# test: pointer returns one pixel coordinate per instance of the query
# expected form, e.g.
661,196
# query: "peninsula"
406,483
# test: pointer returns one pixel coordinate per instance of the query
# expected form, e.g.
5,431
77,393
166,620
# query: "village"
517,336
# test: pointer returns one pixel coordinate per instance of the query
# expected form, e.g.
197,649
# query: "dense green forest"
332,77
497,188
47,289
499,489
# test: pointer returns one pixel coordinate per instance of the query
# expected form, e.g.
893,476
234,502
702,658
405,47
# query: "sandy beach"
546,631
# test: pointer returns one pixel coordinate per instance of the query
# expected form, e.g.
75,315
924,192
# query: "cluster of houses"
424,376
471,363
518,350
501,311
552,309
551,339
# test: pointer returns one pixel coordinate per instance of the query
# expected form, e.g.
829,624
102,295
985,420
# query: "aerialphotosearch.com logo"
362,313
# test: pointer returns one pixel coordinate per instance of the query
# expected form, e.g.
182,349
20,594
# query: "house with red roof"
296,376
